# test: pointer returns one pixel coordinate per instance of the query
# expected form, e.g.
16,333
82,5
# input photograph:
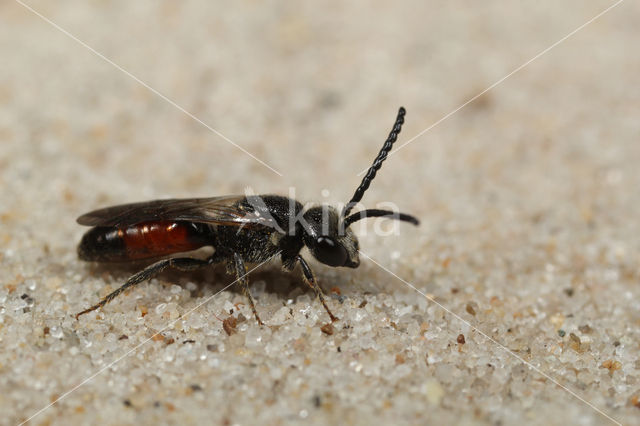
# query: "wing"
227,210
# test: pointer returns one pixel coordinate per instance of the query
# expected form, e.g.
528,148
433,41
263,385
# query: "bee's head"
327,233
326,242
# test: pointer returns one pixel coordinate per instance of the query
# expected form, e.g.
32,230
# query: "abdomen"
142,241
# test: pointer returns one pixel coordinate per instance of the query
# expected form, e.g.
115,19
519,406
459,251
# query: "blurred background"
312,92
538,176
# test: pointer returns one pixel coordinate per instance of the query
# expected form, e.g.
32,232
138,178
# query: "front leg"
307,273
241,273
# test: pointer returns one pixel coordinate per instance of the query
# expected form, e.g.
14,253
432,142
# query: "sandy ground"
525,266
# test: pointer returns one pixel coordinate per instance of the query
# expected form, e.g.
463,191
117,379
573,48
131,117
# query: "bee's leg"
307,273
241,273
180,263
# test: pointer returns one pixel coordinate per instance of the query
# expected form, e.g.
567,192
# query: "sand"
524,307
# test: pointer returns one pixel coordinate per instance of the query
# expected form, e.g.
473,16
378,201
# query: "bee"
241,230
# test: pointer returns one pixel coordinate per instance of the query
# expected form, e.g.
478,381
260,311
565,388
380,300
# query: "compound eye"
329,252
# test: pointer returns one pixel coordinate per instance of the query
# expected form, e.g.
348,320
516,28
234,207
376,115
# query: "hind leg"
180,263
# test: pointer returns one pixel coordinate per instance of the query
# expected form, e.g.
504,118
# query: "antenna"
377,163
379,213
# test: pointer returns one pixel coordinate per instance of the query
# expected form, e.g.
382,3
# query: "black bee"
241,229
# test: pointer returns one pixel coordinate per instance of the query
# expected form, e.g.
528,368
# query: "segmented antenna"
379,213
377,163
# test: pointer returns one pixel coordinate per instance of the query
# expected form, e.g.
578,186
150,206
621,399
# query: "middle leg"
241,273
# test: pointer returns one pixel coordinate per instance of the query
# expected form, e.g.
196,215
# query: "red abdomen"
142,241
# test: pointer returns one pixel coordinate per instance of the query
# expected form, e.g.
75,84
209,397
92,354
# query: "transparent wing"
226,210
